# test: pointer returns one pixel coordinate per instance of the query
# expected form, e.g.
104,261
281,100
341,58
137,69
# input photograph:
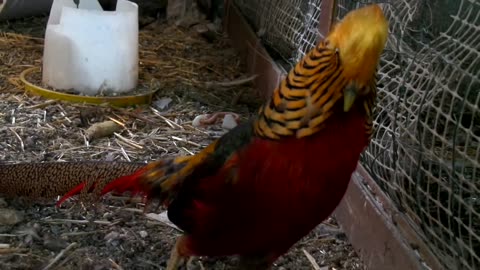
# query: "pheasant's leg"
179,253
175,260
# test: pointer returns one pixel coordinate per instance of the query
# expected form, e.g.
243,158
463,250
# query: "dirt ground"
115,236
192,75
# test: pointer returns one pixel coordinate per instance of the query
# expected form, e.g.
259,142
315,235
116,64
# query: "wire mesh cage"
425,154
287,27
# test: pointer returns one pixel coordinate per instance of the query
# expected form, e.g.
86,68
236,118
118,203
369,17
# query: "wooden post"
327,17
257,59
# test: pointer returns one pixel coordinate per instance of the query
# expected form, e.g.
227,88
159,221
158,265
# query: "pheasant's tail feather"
126,183
142,182
76,190
119,185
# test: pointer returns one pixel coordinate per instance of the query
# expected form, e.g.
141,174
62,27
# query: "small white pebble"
229,122
10,216
162,103
143,234
111,236
197,119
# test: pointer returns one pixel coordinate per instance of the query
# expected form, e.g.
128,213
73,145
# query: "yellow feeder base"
118,101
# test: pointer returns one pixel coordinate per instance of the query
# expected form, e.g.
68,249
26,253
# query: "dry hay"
183,67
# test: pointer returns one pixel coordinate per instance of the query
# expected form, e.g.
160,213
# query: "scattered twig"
125,155
134,210
188,151
135,115
127,141
115,265
63,221
8,235
22,146
59,255
311,260
117,121
168,121
80,233
232,83
186,141
12,250
42,105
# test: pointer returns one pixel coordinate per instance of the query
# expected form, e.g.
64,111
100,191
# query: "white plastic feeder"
89,50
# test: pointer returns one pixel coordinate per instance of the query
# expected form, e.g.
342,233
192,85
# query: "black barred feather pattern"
305,99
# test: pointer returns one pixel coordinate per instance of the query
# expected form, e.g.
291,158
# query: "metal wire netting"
288,27
426,151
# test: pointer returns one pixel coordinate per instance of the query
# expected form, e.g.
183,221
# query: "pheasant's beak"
349,96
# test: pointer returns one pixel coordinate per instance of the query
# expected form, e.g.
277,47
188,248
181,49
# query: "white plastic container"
89,50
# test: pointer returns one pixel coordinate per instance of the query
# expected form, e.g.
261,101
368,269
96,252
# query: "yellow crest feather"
360,39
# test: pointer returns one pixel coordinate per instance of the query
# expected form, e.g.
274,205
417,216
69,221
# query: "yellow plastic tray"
118,101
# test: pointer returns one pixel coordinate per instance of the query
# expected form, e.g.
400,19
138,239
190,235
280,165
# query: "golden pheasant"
268,182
